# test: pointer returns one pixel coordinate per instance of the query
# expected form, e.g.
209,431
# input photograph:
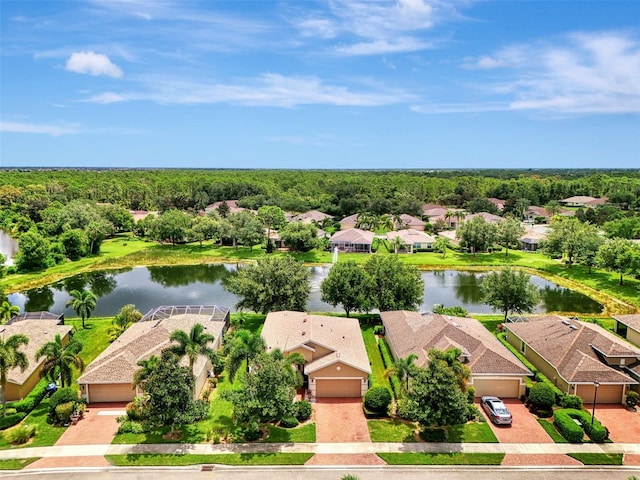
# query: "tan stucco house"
574,355
494,369
628,326
336,359
40,328
413,240
352,240
109,378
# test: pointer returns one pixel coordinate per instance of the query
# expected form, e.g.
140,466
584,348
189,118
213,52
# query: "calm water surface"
149,287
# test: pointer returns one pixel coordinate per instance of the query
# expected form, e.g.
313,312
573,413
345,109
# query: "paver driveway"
623,425
524,429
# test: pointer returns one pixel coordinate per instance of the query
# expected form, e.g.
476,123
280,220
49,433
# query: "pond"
8,247
149,287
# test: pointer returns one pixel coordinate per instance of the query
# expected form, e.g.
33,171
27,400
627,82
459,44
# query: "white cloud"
53,130
106,98
380,47
93,64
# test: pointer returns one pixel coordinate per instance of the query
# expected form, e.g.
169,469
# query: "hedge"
564,420
11,420
388,363
32,400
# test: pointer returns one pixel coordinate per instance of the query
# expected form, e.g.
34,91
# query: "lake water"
8,247
149,287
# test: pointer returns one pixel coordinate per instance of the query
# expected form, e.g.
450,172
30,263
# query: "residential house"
232,204
433,210
336,362
109,378
494,369
40,328
352,240
583,201
451,236
349,222
141,214
498,203
628,326
488,217
534,212
576,356
312,216
413,240
530,241
407,221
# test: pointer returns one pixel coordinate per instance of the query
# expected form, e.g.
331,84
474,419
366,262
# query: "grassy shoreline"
125,251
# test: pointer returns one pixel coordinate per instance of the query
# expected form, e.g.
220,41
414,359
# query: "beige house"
488,217
583,201
312,216
494,369
413,240
352,240
40,328
408,221
575,355
628,326
109,378
336,359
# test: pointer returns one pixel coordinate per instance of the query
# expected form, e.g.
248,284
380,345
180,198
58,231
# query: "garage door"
338,388
606,393
503,388
116,392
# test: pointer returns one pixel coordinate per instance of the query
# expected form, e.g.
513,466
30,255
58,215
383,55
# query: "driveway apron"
623,425
524,428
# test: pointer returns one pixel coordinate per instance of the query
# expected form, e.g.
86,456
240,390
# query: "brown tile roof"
119,362
489,217
412,332
631,321
435,211
311,216
289,330
353,235
39,332
407,221
497,202
574,348
411,236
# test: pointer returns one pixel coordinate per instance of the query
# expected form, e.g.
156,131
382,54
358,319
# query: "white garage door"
113,392
338,388
503,388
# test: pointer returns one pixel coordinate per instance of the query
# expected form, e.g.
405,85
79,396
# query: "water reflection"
204,284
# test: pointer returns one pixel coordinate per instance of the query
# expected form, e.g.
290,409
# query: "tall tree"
273,283
147,367
193,344
404,368
396,285
589,246
272,217
509,232
8,311
247,229
244,347
441,245
300,237
60,360
476,234
172,225
509,290
83,302
11,357
621,256
564,239
348,284
33,253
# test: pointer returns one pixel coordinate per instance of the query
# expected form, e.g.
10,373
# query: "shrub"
567,427
11,420
10,411
252,432
289,422
21,434
388,363
471,395
433,435
473,413
596,432
378,330
632,399
302,410
64,411
135,411
571,401
377,399
34,398
213,381
60,397
542,396
131,427
350,477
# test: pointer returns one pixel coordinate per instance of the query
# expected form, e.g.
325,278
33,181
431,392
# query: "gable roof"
149,336
410,236
353,235
311,216
39,331
435,211
575,348
631,321
288,330
497,202
409,221
488,217
412,332
351,219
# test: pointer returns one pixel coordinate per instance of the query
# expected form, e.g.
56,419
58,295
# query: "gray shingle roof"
412,332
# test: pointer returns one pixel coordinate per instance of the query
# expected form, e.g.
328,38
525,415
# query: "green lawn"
93,337
16,463
387,430
472,432
377,376
140,459
302,434
46,434
598,458
552,431
442,458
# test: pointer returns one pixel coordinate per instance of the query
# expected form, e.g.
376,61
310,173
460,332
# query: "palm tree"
521,206
385,222
125,317
8,311
245,346
397,244
448,216
59,360
192,345
11,357
553,208
442,244
148,366
404,368
83,303
459,215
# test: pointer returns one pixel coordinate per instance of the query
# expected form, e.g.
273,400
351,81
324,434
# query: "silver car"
496,410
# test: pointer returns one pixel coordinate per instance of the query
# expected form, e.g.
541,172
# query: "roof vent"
304,333
573,327
566,322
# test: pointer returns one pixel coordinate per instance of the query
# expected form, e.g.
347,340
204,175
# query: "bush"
471,395
32,400
63,396
571,401
433,435
64,411
388,363
21,434
289,422
596,432
302,410
542,396
135,411
11,420
378,330
567,427
10,411
632,399
131,427
473,413
252,432
377,399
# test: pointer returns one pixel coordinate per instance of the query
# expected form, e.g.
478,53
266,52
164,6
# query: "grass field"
388,430
442,458
598,458
16,463
140,460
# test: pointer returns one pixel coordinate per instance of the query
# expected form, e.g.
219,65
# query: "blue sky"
320,84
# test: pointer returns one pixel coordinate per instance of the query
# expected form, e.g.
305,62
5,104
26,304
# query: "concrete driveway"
623,425
524,429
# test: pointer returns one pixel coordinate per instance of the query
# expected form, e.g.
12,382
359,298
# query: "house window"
522,347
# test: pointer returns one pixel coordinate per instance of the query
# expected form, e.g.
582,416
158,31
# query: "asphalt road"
335,473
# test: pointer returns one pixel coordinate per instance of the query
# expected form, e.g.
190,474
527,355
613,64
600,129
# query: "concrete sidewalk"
321,448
